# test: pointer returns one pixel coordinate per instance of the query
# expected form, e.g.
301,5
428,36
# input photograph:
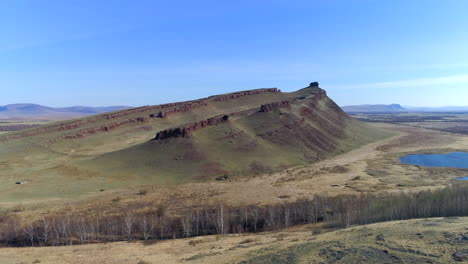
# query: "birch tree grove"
342,211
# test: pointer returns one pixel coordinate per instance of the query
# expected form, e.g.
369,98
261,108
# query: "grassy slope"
54,167
134,133
257,143
413,241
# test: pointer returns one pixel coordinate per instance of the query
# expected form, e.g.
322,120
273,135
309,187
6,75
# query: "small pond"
453,160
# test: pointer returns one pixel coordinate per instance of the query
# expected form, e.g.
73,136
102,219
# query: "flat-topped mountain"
235,134
35,111
376,108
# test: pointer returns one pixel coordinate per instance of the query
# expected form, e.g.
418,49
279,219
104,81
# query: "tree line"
342,211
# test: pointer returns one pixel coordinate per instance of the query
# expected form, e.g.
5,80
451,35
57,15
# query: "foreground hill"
241,133
435,240
378,108
35,111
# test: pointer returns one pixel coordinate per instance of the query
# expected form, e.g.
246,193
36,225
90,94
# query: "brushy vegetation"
335,211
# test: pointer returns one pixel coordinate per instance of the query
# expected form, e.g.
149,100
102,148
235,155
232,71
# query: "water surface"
452,160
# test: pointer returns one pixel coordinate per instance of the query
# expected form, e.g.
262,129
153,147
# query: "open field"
434,240
450,122
7,125
373,168
35,112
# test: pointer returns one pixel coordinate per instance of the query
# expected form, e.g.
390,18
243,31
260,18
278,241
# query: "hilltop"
223,136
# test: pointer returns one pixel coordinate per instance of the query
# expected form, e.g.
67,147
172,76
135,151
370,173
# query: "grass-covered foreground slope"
434,240
233,134
441,240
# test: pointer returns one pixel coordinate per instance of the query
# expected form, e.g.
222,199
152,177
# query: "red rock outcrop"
188,106
236,95
190,128
88,126
127,112
105,128
272,106
180,108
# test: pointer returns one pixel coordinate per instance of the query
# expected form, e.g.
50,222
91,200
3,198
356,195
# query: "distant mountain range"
395,108
437,109
35,111
377,108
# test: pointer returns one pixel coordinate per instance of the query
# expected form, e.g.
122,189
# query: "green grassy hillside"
259,142
267,130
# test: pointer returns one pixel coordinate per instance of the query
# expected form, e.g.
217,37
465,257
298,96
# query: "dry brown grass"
434,239
371,168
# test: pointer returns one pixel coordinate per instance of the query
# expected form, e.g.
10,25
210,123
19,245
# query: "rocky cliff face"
81,128
104,128
180,108
188,106
188,129
236,95
275,105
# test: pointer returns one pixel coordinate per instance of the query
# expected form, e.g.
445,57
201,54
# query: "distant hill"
377,108
438,109
35,111
218,137
395,108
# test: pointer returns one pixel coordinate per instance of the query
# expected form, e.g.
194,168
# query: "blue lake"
452,160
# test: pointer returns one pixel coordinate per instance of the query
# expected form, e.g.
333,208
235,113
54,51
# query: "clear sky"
137,52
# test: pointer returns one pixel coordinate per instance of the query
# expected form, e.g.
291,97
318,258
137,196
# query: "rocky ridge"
186,130
86,128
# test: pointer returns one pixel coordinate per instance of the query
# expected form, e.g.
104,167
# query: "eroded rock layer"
186,130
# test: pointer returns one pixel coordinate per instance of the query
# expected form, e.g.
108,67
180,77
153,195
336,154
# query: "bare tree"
287,215
146,228
255,217
186,223
45,230
80,227
220,220
30,233
129,220
64,228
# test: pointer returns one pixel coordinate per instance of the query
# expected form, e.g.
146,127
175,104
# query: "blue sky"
80,52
